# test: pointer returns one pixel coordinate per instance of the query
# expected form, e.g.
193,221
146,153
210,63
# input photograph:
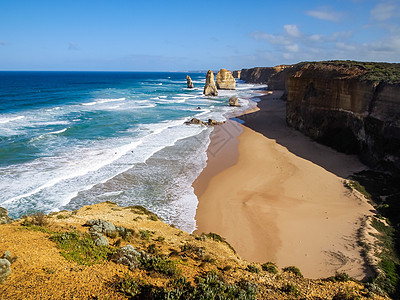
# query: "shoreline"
276,195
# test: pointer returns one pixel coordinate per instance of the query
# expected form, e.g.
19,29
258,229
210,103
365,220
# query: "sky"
133,35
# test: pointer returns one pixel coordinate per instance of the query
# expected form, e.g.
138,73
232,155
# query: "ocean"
69,139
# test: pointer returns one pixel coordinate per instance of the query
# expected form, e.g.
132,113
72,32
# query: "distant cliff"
353,107
350,106
274,77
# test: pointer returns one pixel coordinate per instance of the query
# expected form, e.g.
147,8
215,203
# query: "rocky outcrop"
210,89
5,265
274,77
225,80
127,256
350,107
189,82
4,218
236,74
210,122
234,101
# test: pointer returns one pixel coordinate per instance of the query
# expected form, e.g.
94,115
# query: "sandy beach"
278,196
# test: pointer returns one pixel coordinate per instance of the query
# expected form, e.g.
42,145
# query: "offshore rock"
189,82
210,122
4,218
210,89
234,101
225,80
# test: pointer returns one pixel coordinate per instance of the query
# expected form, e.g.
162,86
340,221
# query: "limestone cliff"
352,107
210,89
274,77
225,80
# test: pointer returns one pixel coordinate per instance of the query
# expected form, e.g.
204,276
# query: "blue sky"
132,35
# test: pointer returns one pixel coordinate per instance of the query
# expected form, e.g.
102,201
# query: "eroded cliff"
352,107
274,77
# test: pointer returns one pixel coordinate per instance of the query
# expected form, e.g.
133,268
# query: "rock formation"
210,89
236,74
4,218
225,80
234,101
352,107
5,265
210,122
274,77
189,82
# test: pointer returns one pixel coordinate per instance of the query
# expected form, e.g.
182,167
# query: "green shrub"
81,248
253,269
218,238
339,277
270,267
159,264
145,234
208,286
291,289
294,270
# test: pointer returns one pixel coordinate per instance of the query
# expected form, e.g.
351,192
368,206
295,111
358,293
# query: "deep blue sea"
69,139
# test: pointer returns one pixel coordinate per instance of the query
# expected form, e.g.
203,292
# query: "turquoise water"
69,139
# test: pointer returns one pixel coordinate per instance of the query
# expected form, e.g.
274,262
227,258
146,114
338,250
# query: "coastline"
276,195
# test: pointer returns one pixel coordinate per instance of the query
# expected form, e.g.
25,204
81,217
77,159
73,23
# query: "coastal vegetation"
384,192
177,266
372,71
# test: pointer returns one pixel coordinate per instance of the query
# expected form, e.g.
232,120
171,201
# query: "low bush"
270,267
207,286
81,248
294,270
253,269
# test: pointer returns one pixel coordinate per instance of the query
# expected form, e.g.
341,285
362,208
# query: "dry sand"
276,195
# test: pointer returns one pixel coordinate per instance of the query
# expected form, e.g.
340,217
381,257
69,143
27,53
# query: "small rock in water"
234,101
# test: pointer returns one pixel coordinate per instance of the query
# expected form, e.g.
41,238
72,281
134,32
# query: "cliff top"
371,71
58,258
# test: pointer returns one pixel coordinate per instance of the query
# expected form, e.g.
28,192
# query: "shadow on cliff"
270,121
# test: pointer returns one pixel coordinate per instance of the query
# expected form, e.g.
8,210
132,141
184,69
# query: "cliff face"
336,105
273,76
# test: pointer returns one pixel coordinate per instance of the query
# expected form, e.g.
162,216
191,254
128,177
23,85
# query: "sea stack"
210,89
225,80
189,82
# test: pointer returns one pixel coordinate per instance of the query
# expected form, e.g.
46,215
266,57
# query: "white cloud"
325,14
292,48
292,30
273,39
384,11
